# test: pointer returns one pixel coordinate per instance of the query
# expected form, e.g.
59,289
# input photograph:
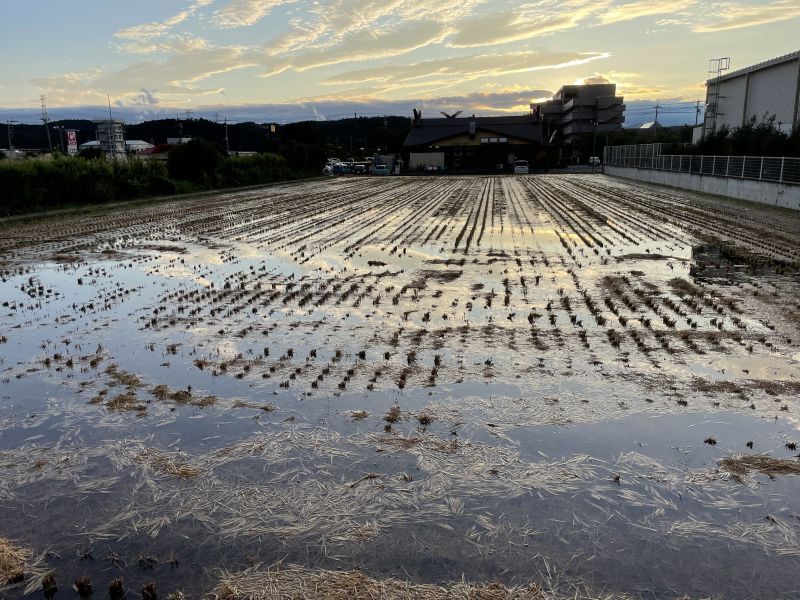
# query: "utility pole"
46,121
655,122
227,143
697,113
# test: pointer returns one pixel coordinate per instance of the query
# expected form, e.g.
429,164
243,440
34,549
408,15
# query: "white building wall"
773,91
732,94
769,88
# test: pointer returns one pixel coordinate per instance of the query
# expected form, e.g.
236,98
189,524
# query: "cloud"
511,26
366,44
465,68
178,75
244,13
172,43
642,8
147,98
729,15
155,29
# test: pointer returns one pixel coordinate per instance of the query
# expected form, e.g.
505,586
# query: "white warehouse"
768,88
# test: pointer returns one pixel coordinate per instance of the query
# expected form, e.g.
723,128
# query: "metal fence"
778,169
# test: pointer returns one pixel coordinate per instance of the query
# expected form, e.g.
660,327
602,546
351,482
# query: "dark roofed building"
473,143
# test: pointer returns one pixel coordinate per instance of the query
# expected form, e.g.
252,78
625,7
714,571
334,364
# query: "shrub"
30,185
195,161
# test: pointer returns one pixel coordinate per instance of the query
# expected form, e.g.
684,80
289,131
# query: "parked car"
327,170
359,170
594,161
380,170
521,167
341,169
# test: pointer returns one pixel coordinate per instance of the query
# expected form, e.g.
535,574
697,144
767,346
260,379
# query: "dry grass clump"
246,404
393,414
12,563
722,386
429,443
358,415
119,377
291,581
183,397
424,419
165,464
740,466
125,402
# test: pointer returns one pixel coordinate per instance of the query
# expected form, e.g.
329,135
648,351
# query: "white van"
521,167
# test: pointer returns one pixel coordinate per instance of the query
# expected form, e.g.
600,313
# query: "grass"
166,464
126,401
291,581
740,466
393,414
13,560
359,415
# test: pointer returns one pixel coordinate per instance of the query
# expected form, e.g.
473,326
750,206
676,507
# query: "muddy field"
528,387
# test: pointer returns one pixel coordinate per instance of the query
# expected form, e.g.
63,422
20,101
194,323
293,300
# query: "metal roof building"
472,131
768,88
473,143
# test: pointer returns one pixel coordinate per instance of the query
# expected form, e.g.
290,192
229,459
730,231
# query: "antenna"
453,116
46,121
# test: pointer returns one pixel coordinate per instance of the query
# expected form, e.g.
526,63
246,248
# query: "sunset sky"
291,59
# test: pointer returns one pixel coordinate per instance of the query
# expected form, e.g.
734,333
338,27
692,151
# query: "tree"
195,161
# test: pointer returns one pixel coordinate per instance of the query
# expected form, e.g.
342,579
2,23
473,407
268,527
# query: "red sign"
72,142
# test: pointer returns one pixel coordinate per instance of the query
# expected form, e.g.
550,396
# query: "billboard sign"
72,142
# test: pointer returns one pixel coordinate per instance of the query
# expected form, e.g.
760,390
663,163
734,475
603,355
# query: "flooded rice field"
483,387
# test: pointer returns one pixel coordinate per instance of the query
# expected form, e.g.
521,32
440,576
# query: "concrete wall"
764,192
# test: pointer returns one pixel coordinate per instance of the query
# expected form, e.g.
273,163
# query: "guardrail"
778,169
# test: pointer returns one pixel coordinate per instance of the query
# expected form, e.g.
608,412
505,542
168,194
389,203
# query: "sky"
286,60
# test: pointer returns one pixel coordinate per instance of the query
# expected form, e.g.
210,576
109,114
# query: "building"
578,113
132,146
477,144
765,89
136,146
110,136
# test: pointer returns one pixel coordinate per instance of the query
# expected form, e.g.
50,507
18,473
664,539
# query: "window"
503,140
484,140
492,140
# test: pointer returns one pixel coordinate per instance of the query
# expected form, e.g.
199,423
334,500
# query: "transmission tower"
10,132
46,121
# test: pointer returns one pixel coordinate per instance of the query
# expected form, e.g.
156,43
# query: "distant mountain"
346,136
